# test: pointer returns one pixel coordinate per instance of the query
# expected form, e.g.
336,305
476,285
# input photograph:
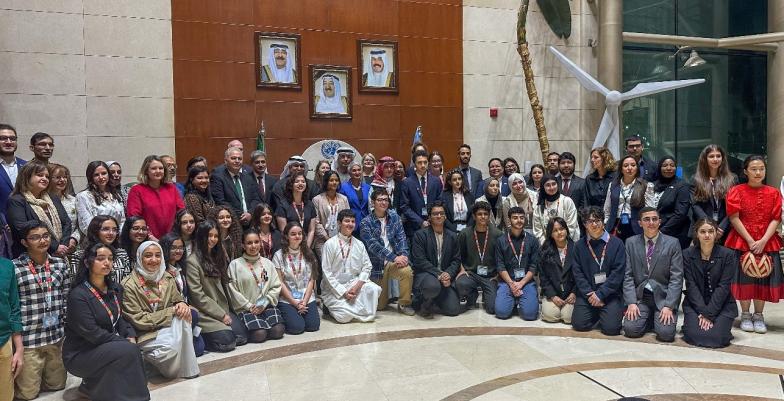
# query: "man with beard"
472,177
343,157
11,164
568,183
279,67
377,74
42,146
551,164
329,96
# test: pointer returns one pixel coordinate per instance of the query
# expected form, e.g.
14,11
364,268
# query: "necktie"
422,184
261,186
649,253
238,189
565,189
467,176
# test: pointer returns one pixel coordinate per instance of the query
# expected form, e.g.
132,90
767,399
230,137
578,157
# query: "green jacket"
10,315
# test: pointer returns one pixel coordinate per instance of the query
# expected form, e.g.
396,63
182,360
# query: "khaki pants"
43,369
6,377
554,314
404,275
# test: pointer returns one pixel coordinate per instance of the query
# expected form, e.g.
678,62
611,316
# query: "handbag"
756,266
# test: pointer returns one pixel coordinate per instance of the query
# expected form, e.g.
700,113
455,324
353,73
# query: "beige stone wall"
493,77
94,74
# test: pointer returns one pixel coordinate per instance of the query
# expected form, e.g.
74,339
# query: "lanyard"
255,277
483,251
383,228
296,270
38,280
266,251
348,253
423,190
604,253
147,291
100,299
554,211
565,252
300,216
459,202
522,249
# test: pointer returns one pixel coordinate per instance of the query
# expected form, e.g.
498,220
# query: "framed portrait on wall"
378,64
278,60
330,91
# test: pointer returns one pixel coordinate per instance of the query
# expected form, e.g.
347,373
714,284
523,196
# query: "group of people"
101,282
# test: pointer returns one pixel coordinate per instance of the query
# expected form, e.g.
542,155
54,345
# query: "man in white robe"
343,157
377,73
347,291
279,67
329,96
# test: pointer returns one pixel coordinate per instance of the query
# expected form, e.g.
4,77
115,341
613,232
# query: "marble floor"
475,356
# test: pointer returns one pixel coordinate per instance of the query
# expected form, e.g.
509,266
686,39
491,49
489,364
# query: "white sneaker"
759,323
745,322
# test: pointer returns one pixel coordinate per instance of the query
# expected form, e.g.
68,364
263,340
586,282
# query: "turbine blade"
602,134
649,88
583,77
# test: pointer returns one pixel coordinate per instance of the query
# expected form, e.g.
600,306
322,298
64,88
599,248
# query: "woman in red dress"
754,210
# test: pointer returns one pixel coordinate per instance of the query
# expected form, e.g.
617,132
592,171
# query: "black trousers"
227,340
468,287
428,291
113,371
718,336
609,317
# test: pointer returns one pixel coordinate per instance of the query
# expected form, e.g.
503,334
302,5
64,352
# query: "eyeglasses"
382,199
39,237
593,222
649,219
7,139
438,214
636,146
140,229
177,248
109,230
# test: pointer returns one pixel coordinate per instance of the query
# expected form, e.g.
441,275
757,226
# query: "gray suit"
664,278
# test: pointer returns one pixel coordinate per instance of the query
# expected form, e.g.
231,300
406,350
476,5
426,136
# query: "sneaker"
406,310
745,322
759,323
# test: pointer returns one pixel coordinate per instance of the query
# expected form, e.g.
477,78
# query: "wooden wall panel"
216,99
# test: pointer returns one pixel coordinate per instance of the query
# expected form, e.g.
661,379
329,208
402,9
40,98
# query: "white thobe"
344,262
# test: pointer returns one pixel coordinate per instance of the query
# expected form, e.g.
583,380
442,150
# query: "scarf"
46,212
378,178
151,277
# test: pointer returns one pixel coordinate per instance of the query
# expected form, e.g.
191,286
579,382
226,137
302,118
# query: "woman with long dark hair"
198,199
298,207
670,196
134,232
327,205
103,229
100,346
263,221
298,268
555,272
208,279
99,198
230,231
184,227
711,183
534,181
458,202
625,198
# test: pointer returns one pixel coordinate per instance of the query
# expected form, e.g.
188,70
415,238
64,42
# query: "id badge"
423,212
482,270
297,294
262,303
600,278
624,218
519,274
50,320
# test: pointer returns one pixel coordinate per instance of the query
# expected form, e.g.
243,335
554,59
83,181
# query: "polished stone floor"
477,357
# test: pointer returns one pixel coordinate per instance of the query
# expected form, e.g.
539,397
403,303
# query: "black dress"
96,346
596,189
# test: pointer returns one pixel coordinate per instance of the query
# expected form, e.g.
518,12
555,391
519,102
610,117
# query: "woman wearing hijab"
670,196
552,203
162,319
493,197
520,196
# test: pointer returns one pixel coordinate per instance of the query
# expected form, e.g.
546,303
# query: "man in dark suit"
233,187
11,164
653,281
647,167
419,191
436,261
264,180
568,183
472,177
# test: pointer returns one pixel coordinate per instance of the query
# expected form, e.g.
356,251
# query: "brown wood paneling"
214,83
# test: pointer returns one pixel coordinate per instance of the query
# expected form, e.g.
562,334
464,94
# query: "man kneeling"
347,291
653,281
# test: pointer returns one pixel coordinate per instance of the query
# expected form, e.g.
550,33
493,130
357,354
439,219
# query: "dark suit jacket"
19,212
224,193
556,279
674,210
576,190
424,253
596,189
6,186
412,203
269,183
475,184
665,275
716,300
449,205
648,169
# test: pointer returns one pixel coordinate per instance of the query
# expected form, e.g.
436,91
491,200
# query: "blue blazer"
6,186
358,206
412,203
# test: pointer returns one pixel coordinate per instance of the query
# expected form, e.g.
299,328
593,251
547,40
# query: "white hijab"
154,277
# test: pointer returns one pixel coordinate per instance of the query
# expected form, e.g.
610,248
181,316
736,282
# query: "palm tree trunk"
530,86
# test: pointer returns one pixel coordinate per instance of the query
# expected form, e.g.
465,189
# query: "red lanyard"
522,249
297,270
108,311
484,248
300,216
267,252
253,273
40,281
348,253
148,290
604,252
423,190
566,252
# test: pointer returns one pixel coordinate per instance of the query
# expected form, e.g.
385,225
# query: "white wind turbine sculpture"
609,131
